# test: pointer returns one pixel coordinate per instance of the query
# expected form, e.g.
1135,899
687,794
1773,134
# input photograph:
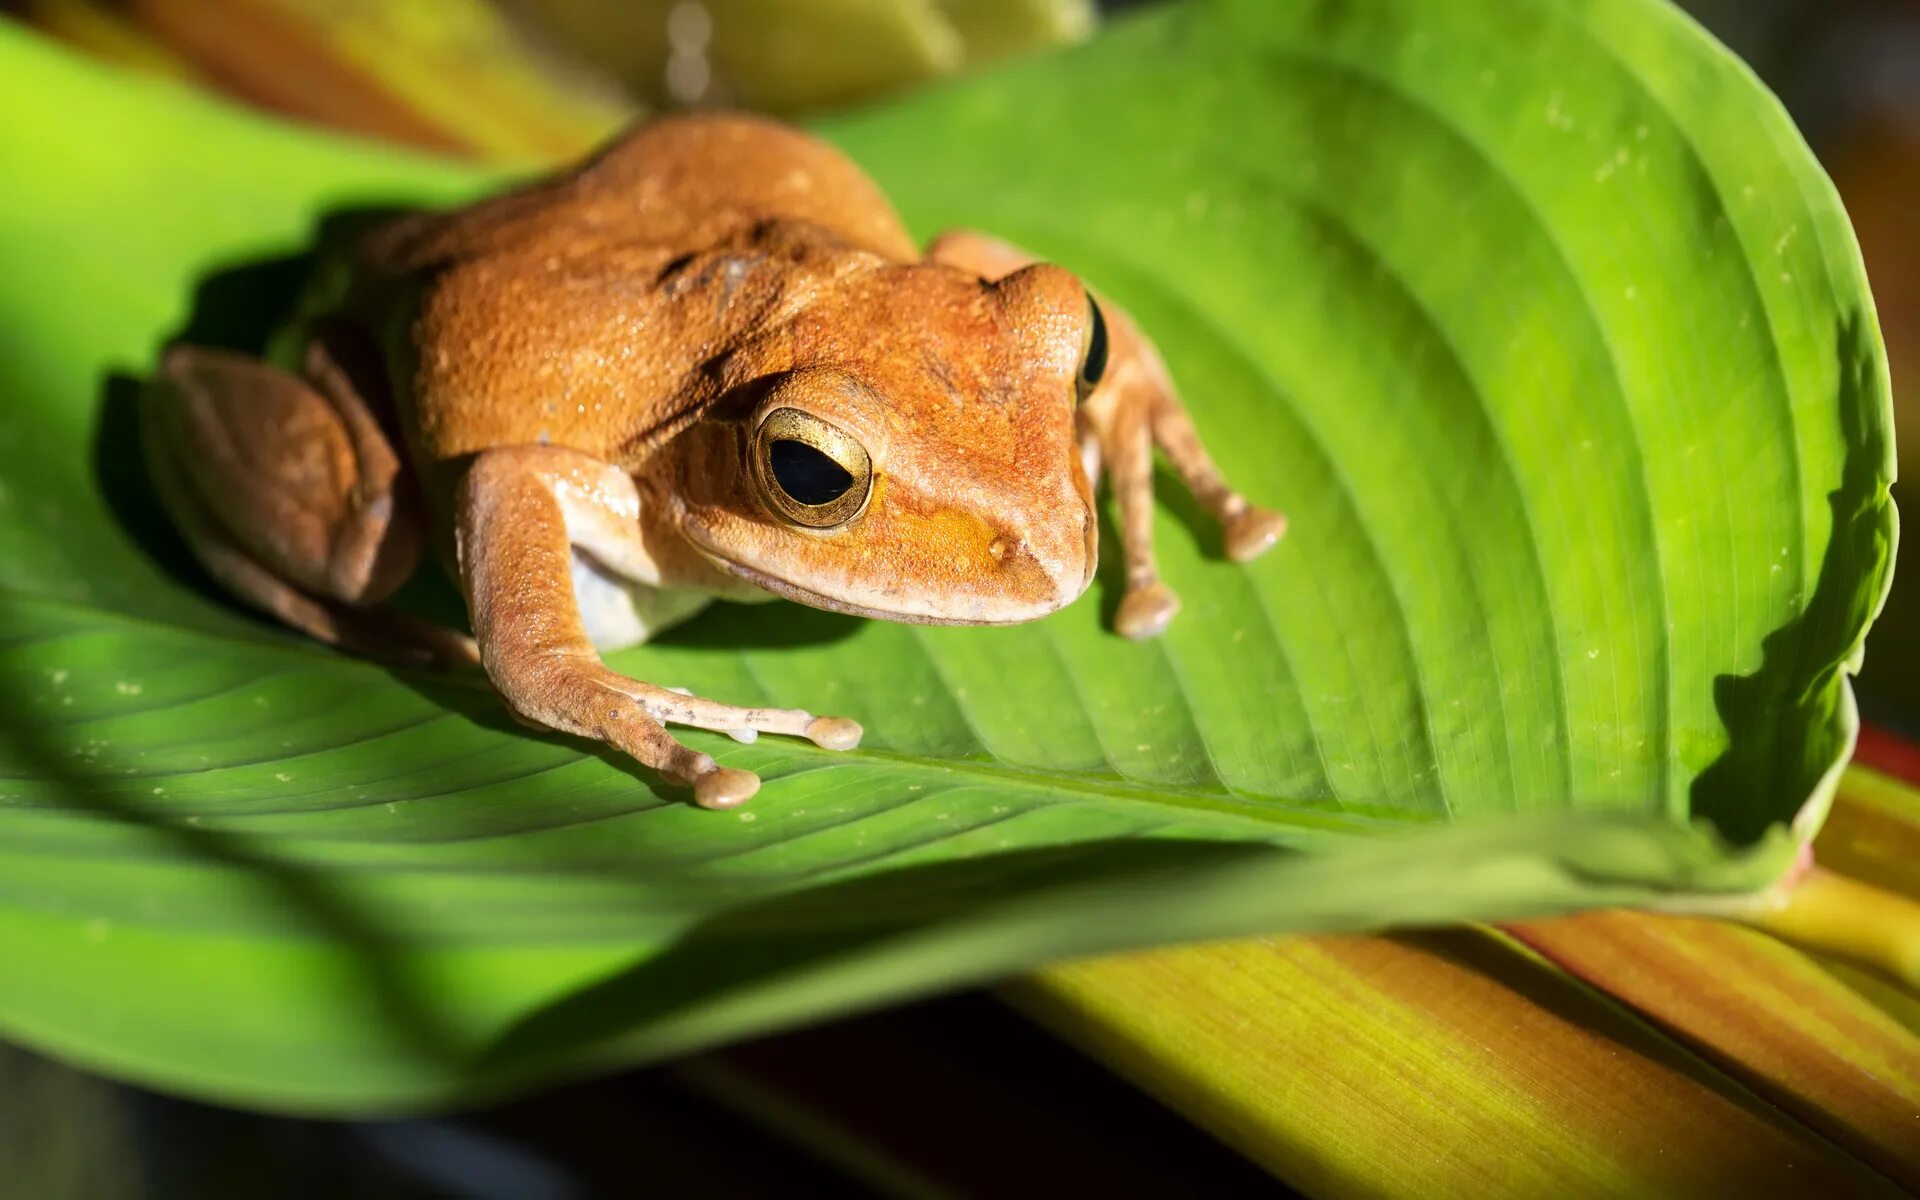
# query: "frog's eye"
809,472
1093,363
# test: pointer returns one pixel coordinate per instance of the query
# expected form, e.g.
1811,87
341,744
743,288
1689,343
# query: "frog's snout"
1044,575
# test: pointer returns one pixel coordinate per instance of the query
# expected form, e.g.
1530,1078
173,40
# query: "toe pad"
834,733
1145,611
725,787
1253,533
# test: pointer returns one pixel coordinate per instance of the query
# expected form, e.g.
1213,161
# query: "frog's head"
903,446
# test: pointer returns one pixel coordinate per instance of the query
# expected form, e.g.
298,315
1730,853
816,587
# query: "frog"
708,362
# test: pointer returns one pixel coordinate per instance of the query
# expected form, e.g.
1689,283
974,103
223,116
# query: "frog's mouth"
1015,613
807,596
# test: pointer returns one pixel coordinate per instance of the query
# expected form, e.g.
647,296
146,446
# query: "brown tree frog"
707,363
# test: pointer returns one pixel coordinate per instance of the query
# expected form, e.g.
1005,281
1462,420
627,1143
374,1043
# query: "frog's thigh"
516,559
298,478
258,475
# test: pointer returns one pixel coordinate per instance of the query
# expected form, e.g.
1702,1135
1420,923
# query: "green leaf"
1536,316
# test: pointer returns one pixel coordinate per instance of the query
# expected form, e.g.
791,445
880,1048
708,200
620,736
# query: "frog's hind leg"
288,493
1134,408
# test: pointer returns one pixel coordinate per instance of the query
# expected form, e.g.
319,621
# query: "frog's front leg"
1133,408
521,512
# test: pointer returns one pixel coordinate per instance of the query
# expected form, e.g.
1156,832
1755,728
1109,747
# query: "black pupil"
806,474
1096,364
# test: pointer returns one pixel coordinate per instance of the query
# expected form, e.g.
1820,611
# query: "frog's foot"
1249,530
1146,611
586,698
678,706
1133,408
745,736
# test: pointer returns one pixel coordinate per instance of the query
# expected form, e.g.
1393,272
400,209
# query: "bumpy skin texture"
582,374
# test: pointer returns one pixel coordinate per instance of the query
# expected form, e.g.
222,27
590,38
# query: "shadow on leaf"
1798,683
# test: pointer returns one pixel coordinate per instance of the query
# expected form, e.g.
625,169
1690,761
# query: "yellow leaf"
1771,1015
1718,1061
1433,1066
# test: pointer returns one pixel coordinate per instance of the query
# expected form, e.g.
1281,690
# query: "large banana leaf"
1535,315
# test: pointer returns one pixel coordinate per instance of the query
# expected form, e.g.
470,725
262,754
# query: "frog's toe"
834,733
1252,532
725,787
1145,611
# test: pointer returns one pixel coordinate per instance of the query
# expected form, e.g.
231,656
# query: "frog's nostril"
1047,570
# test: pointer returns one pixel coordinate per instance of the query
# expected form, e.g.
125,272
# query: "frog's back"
566,312
671,185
